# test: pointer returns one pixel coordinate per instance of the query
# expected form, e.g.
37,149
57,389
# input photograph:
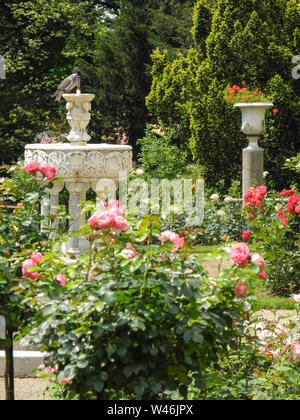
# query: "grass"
272,302
265,299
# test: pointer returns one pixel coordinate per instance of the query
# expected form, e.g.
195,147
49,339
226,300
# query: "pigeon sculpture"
67,85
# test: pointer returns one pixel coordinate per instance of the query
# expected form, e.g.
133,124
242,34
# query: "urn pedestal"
253,125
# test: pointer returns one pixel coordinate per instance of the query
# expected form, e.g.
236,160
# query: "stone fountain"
81,165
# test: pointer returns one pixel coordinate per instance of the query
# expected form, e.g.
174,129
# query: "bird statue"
67,85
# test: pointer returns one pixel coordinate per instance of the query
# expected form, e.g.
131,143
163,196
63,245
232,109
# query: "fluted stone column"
77,192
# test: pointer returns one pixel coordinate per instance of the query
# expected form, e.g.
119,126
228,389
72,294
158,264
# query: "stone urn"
82,166
253,125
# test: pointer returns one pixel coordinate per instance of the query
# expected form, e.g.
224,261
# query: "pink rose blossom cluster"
240,255
129,252
92,270
108,216
48,171
61,278
53,372
167,235
296,297
296,348
32,262
261,263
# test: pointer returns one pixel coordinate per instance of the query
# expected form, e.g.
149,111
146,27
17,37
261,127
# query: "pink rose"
296,348
48,170
262,274
120,224
167,235
103,220
61,278
296,298
36,257
258,260
112,205
179,242
129,252
240,290
66,381
32,167
31,275
91,274
240,254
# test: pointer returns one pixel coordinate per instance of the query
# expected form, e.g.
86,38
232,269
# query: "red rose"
287,193
281,214
246,235
240,290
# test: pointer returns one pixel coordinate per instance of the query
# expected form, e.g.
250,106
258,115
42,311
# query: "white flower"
288,160
221,213
265,174
214,197
139,171
228,199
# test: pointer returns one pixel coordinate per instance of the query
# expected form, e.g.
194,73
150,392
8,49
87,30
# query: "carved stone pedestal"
94,166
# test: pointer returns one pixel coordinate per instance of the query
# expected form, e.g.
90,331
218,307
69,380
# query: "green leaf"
173,309
98,386
69,372
197,337
110,298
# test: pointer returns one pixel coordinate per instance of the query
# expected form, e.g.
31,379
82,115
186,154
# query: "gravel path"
25,389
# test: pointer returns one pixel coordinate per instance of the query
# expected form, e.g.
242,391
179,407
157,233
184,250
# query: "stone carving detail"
89,164
78,116
95,164
127,160
114,161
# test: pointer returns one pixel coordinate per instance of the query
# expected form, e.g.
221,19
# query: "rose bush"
20,233
136,315
275,227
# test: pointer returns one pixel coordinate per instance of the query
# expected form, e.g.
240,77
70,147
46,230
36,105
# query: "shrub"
137,314
159,158
275,226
